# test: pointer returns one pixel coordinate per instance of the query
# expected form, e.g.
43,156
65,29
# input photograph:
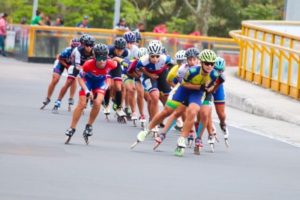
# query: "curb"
249,105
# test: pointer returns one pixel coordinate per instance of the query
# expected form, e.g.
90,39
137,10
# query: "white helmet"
141,52
180,55
155,47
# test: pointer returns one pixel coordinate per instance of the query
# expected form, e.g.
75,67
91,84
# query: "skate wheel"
190,143
227,143
86,139
134,144
197,150
43,106
68,139
212,147
179,151
156,146
134,123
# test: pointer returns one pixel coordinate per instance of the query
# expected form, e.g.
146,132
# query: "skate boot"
70,104
106,111
211,142
45,103
155,131
179,124
69,133
114,106
128,113
141,136
159,140
121,116
198,146
179,151
142,121
226,134
88,131
161,125
56,106
134,118
190,139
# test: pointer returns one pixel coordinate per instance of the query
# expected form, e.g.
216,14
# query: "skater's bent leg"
78,111
73,89
154,96
158,118
192,111
131,90
140,98
204,115
170,122
220,109
54,81
210,123
118,93
64,89
96,108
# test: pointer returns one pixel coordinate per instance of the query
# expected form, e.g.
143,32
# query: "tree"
201,12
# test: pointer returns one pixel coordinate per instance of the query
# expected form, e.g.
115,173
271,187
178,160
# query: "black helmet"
90,40
83,38
100,51
192,52
120,43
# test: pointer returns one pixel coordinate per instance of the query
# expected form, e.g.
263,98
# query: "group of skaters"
124,77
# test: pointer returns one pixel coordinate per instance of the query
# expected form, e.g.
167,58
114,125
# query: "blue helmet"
120,43
192,52
129,37
219,64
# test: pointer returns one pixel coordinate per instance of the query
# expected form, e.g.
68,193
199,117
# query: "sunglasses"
154,56
101,58
209,63
89,45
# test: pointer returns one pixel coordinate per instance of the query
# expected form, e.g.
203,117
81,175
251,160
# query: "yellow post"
289,70
31,41
262,60
298,80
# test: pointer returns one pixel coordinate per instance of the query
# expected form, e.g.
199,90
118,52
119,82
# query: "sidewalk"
254,99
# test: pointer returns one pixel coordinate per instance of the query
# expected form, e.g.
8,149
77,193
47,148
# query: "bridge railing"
269,58
43,42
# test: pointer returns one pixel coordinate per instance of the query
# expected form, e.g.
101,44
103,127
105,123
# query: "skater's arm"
150,75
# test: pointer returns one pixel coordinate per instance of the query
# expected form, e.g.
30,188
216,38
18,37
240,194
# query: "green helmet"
208,55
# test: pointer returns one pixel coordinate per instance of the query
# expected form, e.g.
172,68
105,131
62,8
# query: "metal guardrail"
47,41
269,58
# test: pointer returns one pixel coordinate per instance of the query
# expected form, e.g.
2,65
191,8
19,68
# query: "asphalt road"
35,163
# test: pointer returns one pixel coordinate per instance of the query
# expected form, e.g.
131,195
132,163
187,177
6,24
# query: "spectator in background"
47,20
161,28
84,23
59,22
38,19
54,39
23,21
122,26
140,27
3,33
191,43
